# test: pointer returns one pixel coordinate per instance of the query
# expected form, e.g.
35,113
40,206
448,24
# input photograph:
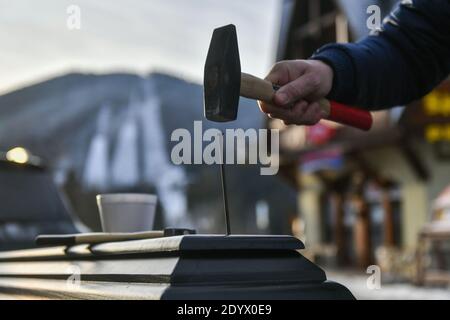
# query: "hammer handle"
255,88
95,237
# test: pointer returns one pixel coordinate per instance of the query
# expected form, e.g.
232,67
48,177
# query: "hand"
303,83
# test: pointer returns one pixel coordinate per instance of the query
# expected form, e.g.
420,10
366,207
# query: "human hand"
303,83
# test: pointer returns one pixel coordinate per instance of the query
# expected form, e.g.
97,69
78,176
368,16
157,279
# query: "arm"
402,63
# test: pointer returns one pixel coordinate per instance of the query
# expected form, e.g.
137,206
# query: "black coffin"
181,267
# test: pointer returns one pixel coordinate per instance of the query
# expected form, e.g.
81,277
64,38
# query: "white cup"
127,212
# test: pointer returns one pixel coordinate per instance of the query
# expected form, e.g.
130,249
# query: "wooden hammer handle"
95,237
255,88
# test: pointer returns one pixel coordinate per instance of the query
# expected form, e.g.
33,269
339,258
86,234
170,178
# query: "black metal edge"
240,242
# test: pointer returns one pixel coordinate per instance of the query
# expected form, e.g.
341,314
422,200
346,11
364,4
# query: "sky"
129,36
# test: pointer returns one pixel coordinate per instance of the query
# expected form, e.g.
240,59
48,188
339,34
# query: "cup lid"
126,197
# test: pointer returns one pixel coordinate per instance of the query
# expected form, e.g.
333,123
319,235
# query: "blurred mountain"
111,133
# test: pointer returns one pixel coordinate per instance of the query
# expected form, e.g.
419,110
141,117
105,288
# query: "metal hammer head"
222,76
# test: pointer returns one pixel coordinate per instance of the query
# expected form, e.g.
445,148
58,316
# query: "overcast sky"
134,36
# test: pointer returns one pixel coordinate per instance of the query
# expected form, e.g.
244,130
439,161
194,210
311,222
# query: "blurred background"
90,110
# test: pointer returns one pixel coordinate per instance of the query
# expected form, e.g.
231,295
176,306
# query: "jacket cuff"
344,86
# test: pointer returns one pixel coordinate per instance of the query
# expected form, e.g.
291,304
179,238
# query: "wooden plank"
55,289
39,253
200,243
188,267
138,270
159,245
194,268
59,289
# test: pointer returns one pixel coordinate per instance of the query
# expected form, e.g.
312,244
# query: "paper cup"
127,212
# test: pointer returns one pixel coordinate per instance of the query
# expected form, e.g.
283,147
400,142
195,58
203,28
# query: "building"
358,192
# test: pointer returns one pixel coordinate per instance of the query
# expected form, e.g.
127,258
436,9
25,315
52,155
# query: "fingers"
300,81
277,77
278,74
295,114
298,89
301,113
313,114
268,108
285,71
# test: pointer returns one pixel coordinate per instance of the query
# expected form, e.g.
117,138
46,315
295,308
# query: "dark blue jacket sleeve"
403,62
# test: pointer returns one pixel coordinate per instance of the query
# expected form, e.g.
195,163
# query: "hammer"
224,83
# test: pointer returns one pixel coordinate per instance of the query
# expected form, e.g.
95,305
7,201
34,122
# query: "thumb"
296,90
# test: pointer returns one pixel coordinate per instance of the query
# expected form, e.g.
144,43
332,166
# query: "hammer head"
222,76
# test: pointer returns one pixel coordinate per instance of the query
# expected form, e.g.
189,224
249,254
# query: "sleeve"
403,62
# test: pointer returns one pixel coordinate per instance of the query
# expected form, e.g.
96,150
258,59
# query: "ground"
356,282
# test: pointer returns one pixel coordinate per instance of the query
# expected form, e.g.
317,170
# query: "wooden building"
358,191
